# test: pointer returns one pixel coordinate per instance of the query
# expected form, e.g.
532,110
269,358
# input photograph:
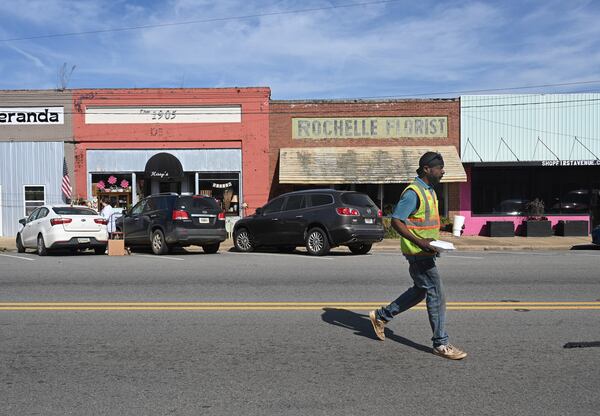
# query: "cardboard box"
116,247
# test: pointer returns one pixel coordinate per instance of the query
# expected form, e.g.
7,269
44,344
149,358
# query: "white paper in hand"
442,246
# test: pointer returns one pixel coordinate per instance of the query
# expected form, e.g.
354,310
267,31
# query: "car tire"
211,248
360,248
41,246
317,243
99,250
158,243
242,240
20,246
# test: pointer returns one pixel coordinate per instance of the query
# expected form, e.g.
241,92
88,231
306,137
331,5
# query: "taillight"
379,213
221,216
351,212
101,221
58,221
180,215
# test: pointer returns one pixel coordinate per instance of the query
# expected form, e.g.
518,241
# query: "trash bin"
457,226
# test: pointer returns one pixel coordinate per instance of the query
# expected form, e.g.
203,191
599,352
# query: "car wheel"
243,241
317,243
99,250
41,246
211,248
360,248
20,246
159,245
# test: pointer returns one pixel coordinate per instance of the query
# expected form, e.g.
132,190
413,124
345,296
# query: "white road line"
158,257
17,257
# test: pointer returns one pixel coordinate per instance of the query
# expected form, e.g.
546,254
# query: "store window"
224,187
35,196
117,187
508,190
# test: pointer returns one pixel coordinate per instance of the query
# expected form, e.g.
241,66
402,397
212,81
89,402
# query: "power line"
191,22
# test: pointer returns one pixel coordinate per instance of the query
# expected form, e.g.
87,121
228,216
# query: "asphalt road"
267,333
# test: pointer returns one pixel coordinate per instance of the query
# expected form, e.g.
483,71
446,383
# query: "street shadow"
361,325
586,247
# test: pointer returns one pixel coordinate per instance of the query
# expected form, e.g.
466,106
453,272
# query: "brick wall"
282,112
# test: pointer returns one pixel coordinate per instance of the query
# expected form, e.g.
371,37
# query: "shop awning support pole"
540,141
196,189
508,147
380,197
584,146
475,150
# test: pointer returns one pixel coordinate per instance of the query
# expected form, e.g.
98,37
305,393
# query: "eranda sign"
31,115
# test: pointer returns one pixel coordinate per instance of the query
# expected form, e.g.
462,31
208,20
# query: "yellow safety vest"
423,223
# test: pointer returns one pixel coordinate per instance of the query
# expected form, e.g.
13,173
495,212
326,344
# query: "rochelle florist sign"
16,116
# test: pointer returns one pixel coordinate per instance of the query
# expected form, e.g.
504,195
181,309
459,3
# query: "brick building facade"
369,146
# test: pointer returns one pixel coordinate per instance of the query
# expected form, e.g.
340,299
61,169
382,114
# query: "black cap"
430,159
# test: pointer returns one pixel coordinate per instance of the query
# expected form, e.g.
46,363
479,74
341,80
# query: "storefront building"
368,146
519,148
36,148
131,143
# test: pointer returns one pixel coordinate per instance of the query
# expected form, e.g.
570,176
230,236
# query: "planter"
537,229
500,228
572,228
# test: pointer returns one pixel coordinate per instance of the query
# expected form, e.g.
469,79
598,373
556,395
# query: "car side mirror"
259,211
23,221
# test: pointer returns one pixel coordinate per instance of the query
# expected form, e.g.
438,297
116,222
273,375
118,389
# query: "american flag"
66,183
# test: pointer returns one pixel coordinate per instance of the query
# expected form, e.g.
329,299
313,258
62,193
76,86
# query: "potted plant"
536,225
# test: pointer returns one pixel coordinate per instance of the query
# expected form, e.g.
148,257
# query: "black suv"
318,219
164,221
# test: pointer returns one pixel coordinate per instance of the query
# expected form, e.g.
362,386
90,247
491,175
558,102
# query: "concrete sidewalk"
464,243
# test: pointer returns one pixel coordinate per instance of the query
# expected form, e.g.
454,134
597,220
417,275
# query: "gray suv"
317,219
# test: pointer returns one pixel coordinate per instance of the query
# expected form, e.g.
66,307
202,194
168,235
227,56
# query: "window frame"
25,200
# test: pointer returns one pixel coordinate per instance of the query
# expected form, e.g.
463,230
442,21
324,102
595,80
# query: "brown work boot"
449,351
378,325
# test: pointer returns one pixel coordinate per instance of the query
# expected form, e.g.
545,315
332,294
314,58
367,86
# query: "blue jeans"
427,285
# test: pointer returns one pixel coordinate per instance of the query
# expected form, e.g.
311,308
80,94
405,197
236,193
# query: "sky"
389,49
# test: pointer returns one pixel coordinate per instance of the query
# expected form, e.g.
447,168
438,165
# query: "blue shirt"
409,203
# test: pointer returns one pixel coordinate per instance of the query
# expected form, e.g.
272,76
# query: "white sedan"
62,226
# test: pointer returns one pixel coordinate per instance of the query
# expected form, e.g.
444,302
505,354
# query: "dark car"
317,219
596,235
164,221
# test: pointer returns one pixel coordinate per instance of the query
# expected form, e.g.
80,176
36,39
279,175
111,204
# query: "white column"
134,196
381,196
196,185
89,186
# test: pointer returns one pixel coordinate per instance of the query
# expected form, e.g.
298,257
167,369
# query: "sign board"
163,115
369,127
15,116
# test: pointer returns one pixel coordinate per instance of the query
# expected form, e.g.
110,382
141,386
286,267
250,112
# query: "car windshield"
357,199
74,211
197,202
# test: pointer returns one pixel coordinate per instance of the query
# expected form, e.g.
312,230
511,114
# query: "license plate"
368,220
83,240
203,220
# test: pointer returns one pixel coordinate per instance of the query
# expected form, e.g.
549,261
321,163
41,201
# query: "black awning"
164,166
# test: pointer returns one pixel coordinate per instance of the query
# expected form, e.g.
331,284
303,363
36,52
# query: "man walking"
417,220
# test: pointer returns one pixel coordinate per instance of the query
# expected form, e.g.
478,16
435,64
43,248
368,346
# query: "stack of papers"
442,246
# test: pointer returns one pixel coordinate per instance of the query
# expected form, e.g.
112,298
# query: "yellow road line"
323,303
280,306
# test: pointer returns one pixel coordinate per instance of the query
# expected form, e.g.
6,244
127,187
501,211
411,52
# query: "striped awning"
385,164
